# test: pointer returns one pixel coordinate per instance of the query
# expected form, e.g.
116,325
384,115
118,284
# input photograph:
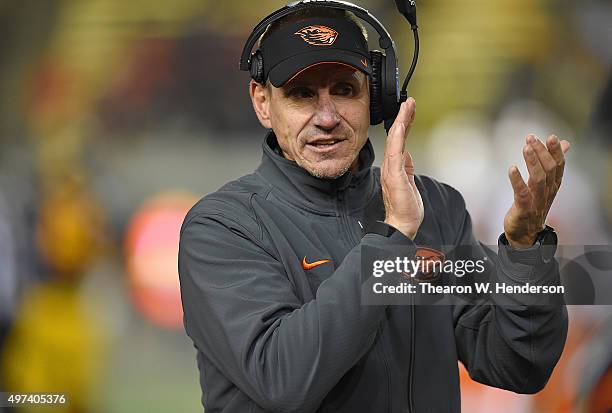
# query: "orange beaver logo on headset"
318,35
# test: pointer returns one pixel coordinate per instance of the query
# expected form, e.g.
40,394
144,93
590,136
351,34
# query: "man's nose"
327,116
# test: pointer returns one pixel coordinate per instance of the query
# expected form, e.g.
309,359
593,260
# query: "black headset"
385,94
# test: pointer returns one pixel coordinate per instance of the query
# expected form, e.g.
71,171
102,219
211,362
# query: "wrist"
531,240
542,250
521,243
407,230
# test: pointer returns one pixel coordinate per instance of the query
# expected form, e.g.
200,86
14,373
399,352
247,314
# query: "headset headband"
385,41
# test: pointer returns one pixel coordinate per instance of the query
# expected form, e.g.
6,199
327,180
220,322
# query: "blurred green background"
115,117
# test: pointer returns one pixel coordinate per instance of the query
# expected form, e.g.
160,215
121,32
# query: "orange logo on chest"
310,265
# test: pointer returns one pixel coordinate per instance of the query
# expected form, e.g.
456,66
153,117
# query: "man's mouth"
324,145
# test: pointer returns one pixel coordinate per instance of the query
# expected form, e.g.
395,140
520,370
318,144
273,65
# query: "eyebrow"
352,77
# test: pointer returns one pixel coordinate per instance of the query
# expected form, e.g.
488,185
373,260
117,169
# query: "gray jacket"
273,337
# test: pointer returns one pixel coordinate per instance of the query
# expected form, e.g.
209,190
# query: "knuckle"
524,215
395,173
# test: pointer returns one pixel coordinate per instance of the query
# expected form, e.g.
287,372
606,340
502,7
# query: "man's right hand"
403,203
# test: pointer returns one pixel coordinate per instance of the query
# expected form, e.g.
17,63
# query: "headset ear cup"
256,67
376,82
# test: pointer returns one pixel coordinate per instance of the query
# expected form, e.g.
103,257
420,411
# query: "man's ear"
260,98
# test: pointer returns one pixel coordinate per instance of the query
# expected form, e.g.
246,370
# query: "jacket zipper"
341,209
346,228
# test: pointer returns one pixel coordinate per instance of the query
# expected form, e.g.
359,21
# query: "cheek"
287,123
358,116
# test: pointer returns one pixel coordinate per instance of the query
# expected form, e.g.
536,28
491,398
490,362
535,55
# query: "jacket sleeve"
513,347
240,310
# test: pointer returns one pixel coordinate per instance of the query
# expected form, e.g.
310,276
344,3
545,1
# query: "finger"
401,125
403,120
555,149
537,178
565,145
545,157
522,196
397,135
409,167
550,167
557,152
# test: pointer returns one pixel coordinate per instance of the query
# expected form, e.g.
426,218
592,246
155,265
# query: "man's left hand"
532,200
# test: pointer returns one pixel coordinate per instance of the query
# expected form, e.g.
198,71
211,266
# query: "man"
270,264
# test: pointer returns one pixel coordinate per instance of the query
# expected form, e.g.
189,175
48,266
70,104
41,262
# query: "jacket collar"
294,184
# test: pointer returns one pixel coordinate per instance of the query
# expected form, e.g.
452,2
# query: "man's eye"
301,93
345,89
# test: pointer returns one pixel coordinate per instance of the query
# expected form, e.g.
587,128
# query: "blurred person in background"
54,345
270,264
8,278
595,372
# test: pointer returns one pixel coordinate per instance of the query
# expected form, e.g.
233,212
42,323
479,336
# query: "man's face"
320,118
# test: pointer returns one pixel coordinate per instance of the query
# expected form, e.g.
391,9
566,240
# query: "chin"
323,171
